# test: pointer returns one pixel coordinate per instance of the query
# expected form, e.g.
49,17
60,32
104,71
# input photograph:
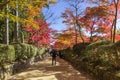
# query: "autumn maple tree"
64,40
67,39
95,21
41,35
21,12
72,15
113,8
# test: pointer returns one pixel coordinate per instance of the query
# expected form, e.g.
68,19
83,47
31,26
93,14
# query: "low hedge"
95,45
78,49
18,52
100,59
68,54
25,51
22,55
32,51
7,54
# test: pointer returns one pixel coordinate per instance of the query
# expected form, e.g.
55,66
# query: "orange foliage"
117,37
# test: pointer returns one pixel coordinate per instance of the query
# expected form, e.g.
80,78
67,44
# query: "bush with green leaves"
92,49
42,51
101,59
79,48
67,53
24,51
38,51
109,55
18,52
116,54
94,45
32,51
7,54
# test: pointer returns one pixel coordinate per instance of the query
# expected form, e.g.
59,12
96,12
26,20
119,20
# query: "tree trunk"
22,37
116,13
79,27
75,33
17,24
76,15
91,34
7,27
111,32
81,35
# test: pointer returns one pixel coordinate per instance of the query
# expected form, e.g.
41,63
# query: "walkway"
43,70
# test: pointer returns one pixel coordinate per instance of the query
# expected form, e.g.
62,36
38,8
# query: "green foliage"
92,50
7,54
2,29
42,51
117,45
116,54
38,51
79,48
106,54
68,51
97,44
101,59
33,51
68,54
24,51
18,51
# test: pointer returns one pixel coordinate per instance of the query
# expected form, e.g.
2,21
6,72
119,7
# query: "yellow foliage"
30,9
66,39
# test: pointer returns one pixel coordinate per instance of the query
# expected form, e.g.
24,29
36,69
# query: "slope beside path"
43,70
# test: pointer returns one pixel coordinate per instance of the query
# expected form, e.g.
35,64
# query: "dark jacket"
53,53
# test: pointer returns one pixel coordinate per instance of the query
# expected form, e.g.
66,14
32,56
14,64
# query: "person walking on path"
53,53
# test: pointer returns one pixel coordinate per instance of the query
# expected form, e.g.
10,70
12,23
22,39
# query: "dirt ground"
43,70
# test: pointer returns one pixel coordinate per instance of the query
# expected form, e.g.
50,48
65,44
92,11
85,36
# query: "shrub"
79,48
38,52
18,52
101,59
42,51
67,54
91,50
105,54
33,51
24,51
7,53
116,54
97,44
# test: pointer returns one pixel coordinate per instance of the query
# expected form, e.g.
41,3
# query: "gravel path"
43,70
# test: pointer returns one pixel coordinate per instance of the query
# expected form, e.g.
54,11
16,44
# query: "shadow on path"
43,70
